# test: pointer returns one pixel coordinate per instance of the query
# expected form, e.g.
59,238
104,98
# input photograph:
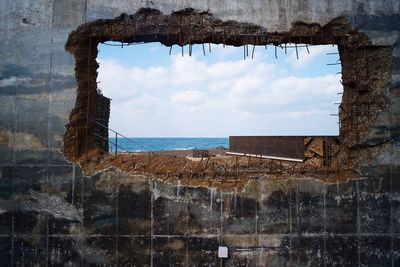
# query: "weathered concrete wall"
51,214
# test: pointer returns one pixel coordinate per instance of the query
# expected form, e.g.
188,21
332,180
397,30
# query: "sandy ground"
215,152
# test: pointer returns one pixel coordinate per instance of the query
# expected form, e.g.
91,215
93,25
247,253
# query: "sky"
220,94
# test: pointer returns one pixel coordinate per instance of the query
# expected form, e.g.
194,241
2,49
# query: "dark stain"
133,211
307,213
274,214
100,208
169,251
341,214
170,216
396,247
28,222
134,251
374,213
305,251
7,176
59,226
101,218
341,251
33,83
133,205
29,178
31,157
6,222
29,251
242,206
375,251
102,251
365,21
62,250
160,215
203,251
201,243
202,220
5,250
395,132
379,137
278,199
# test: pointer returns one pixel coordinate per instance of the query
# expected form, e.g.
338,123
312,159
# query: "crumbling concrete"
53,214
366,69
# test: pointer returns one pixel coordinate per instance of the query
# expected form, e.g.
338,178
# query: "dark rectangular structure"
276,146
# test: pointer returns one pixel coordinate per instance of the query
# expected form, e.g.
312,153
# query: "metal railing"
115,144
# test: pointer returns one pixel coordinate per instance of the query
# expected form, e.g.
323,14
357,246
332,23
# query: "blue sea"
135,144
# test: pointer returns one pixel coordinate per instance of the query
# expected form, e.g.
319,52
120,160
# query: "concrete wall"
51,214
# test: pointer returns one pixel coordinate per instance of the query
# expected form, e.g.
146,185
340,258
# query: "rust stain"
21,141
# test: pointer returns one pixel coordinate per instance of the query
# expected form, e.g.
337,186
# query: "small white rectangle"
222,252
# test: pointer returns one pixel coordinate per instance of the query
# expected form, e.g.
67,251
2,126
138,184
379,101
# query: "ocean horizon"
140,144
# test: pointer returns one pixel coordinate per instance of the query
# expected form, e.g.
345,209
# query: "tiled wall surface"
50,214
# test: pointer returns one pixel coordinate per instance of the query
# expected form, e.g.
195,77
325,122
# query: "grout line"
83,218
85,12
49,111
391,208
47,228
358,222
324,226
208,235
12,223
16,101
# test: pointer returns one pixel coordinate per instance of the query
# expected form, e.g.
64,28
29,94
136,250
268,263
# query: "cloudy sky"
155,94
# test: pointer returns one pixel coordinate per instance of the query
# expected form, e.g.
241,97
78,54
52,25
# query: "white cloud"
305,58
189,97
193,97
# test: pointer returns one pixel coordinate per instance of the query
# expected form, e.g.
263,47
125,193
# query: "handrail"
113,143
116,139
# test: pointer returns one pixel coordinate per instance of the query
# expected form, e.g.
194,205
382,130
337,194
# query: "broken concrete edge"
174,30
219,174
196,27
238,187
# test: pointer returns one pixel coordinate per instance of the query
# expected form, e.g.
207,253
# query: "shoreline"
182,153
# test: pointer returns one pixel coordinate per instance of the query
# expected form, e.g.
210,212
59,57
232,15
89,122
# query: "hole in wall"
364,66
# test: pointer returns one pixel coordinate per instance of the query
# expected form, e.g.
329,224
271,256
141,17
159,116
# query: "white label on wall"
222,252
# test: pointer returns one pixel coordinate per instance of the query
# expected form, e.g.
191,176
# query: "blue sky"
220,94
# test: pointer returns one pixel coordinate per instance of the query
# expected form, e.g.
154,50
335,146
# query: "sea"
140,144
